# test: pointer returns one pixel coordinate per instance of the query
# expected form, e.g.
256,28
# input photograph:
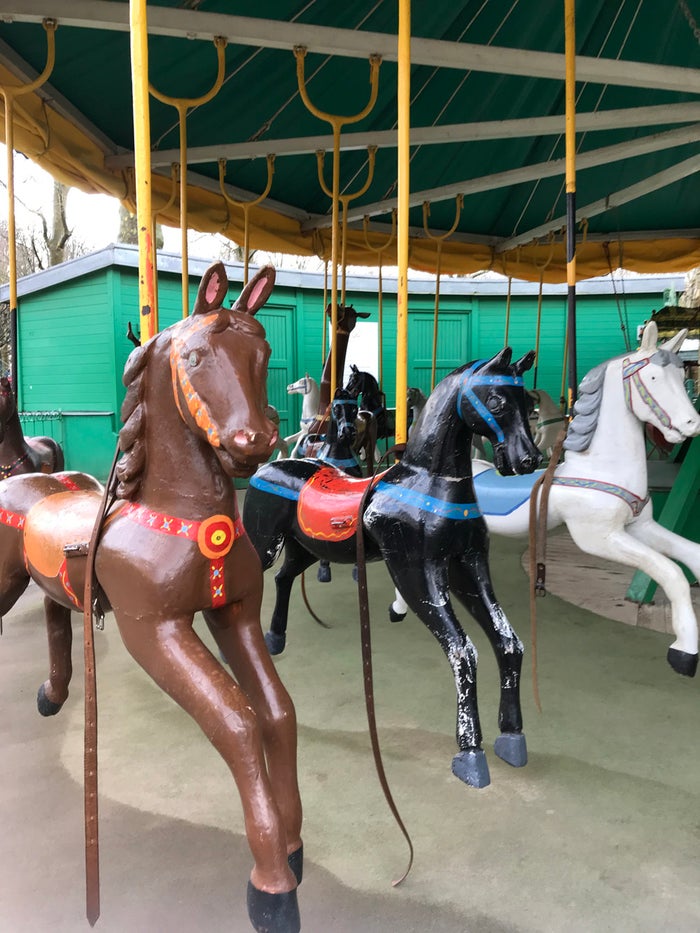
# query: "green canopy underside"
654,151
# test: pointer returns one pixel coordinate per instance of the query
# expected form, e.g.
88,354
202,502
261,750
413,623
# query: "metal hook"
182,105
439,239
337,122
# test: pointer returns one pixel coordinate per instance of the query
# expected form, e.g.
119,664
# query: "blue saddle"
501,495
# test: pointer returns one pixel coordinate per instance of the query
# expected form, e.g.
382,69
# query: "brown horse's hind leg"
53,693
174,656
240,639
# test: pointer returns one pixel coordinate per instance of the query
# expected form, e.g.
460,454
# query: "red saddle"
329,504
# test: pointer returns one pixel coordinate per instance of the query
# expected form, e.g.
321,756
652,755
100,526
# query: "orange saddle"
329,504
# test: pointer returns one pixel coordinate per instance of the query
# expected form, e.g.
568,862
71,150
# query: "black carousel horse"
365,388
422,519
335,447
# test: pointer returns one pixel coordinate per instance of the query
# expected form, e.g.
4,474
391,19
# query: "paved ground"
600,832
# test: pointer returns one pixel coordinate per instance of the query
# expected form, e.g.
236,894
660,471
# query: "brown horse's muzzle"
242,453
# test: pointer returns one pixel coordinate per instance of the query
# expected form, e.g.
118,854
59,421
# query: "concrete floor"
600,832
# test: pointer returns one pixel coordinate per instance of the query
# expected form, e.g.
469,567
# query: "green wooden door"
453,345
278,321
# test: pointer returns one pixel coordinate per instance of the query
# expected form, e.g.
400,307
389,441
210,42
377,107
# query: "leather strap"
367,668
92,852
538,551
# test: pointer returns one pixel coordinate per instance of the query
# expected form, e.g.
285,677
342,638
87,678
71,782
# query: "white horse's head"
302,386
654,386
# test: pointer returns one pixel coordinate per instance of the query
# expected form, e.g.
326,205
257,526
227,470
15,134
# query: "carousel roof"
487,123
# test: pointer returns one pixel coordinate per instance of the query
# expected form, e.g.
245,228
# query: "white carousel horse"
548,421
600,490
308,387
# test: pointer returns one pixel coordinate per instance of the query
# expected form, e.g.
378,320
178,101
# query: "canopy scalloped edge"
72,157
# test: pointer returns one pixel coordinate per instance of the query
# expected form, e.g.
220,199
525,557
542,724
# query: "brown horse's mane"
132,435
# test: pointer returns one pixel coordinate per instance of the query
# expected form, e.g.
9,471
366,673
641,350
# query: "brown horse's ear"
212,289
524,363
256,292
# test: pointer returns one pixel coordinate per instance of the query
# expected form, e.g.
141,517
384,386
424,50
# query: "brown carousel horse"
20,454
172,545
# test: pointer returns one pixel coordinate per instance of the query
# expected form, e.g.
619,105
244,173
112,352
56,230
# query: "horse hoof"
46,706
324,573
512,748
275,643
682,662
472,768
273,913
296,863
395,616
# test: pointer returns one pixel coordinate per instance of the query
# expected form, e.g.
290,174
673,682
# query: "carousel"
451,140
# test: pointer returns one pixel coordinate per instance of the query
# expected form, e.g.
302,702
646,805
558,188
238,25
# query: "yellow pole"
9,94
570,59
403,190
142,160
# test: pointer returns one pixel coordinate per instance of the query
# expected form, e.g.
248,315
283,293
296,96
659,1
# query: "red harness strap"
214,537
11,519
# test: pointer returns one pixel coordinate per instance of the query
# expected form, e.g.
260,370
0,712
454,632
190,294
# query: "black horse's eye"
495,404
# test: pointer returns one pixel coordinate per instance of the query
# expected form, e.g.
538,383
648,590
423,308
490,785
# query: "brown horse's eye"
193,359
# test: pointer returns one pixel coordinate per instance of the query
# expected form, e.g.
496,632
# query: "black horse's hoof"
472,768
512,748
275,643
682,662
296,863
273,913
324,573
395,616
46,706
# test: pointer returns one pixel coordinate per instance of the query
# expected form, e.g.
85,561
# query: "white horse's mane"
587,405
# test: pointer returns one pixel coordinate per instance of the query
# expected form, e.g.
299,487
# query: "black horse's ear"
212,289
524,363
354,368
500,359
256,292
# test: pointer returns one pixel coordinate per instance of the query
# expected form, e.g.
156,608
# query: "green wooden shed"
72,323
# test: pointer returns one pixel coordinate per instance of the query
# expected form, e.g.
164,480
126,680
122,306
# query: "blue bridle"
469,379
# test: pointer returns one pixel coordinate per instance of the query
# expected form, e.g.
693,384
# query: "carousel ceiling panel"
487,122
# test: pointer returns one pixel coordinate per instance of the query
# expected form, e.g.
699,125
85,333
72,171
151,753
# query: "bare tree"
691,296
47,242
129,229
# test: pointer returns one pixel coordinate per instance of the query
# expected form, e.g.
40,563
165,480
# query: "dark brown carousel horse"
172,545
423,520
20,454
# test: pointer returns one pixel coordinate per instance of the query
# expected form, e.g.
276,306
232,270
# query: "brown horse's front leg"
175,657
53,693
238,634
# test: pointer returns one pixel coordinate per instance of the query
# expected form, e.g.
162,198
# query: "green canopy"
487,122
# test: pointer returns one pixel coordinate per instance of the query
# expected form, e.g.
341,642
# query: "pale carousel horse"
415,401
281,445
194,419
422,520
600,490
548,421
20,454
309,389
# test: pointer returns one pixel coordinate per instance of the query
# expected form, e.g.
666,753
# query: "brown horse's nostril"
254,440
